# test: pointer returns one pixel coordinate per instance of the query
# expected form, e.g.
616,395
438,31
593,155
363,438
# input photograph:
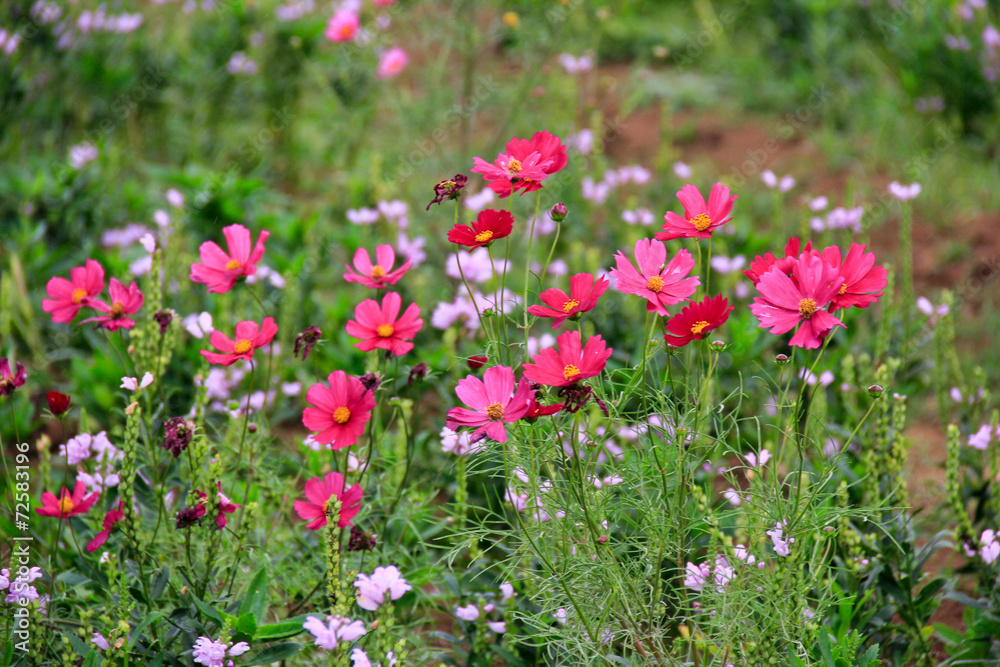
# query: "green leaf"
245,627
160,583
273,654
137,632
283,630
824,648
870,655
207,610
255,599
93,659
72,578
78,644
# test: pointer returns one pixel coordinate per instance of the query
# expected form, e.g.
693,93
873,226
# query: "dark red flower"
58,402
536,409
305,341
110,519
696,319
178,431
476,361
490,225
449,189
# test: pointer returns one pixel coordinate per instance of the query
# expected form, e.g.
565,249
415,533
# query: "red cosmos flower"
343,409
380,274
489,226
110,519
320,492
536,409
660,285
551,158
570,363
700,219
69,296
67,504
863,281
493,401
248,338
378,326
696,319
584,291
786,302
220,270
58,402
761,265
124,301
11,381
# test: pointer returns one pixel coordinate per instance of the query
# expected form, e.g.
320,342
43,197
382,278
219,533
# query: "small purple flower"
373,589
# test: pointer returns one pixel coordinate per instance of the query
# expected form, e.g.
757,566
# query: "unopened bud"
602,539
130,409
781,359
719,345
252,427
558,212
875,391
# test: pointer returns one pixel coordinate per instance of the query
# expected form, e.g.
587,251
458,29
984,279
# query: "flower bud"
719,345
781,359
252,427
875,391
58,402
558,212
477,361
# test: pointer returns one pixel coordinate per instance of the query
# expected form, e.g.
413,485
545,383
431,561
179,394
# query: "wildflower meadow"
455,333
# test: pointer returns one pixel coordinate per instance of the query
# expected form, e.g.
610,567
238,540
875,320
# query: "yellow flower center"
341,415
494,411
843,289
655,284
483,237
570,371
698,327
377,271
514,166
232,264
807,307
78,294
701,222
570,305
117,309
243,346
65,505
384,330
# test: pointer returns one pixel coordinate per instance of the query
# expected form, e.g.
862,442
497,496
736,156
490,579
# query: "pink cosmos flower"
381,327
226,506
508,173
69,296
380,274
343,407
392,63
761,265
660,285
124,301
548,146
343,26
67,504
863,281
320,492
493,401
700,219
584,291
570,363
248,338
110,519
787,302
220,270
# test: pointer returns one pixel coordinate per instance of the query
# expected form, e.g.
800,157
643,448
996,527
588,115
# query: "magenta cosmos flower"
220,270
379,274
551,151
67,504
343,407
125,301
700,219
570,363
248,338
9,381
493,400
320,492
584,291
762,264
787,302
381,327
490,225
864,282
660,285
508,172
110,520
392,63
69,296
343,26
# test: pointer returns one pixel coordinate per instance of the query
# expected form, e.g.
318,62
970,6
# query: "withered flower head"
305,341
450,189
